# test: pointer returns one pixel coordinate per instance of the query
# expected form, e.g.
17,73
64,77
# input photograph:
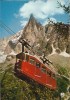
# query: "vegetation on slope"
13,88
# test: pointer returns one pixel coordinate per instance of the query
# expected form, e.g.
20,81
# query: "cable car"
34,68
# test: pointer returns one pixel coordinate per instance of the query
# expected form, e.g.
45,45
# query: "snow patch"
64,54
48,40
15,41
53,50
12,53
1,53
2,58
16,37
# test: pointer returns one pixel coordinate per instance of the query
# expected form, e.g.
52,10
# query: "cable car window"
38,64
32,61
27,57
23,57
43,69
53,75
18,63
49,73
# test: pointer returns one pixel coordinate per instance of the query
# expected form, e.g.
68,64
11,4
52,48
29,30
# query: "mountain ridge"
51,39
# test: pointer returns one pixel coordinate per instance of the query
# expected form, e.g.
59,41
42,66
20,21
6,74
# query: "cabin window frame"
27,58
32,61
18,62
43,69
49,73
38,64
24,56
53,75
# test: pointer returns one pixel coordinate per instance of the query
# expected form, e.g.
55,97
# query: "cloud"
41,9
16,15
51,19
23,23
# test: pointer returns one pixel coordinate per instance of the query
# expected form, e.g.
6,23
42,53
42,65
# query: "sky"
15,13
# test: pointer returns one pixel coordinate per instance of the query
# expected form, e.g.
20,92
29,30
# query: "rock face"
58,38
33,30
13,43
53,38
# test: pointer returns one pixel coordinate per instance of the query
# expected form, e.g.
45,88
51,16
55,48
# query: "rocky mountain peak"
33,23
33,30
32,17
52,38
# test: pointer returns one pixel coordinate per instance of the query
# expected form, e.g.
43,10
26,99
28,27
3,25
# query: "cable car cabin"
33,68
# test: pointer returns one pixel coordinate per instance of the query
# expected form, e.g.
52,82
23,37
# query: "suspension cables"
9,30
